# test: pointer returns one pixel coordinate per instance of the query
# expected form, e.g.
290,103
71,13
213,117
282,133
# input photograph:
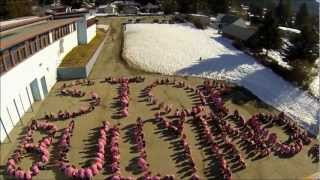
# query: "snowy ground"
275,55
176,49
314,86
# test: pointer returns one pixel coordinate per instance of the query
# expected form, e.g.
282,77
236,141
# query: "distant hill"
313,5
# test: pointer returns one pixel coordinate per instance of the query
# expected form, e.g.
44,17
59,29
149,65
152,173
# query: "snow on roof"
297,31
107,6
200,15
213,19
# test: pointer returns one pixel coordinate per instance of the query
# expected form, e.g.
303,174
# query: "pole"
10,116
5,130
15,104
29,99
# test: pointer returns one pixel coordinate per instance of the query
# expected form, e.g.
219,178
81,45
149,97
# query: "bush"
198,23
156,21
178,19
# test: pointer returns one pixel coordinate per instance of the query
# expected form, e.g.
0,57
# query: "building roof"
240,22
239,32
229,19
17,35
150,6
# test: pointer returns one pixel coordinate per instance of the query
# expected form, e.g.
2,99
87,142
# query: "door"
35,90
44,86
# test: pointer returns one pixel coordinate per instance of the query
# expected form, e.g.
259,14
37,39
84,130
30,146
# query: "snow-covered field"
314,86
176,49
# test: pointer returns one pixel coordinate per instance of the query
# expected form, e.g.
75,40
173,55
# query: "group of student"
27,145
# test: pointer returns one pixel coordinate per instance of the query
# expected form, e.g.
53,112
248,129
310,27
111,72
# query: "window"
47,39
2,66
32,46
7,60
37,40
14,55
43,41
22,53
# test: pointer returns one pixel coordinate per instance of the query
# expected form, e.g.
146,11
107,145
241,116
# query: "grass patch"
81,54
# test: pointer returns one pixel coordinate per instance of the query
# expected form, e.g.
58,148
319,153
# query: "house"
234,27
109,9
30,53
226,20
126,3
150,8
222,20
202,18
129,9
238,33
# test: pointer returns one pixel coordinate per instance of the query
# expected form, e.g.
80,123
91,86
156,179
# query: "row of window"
62,31
18,53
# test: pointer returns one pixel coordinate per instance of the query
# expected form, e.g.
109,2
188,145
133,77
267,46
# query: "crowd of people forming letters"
220,130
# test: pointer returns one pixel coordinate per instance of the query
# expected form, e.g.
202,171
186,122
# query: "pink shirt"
94,169
88,173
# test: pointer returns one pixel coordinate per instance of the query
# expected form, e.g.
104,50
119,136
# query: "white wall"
15,81
91,32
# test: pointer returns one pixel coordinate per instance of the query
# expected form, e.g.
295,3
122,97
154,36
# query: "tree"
18,8
73,3
169,6
100,2
185,6
268,35
304,46
302,16
235,5
219,6
283,12
255,9
45,2
3,10
257,12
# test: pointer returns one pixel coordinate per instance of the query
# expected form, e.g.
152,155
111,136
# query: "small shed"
129,9
150,8
238,33
108,9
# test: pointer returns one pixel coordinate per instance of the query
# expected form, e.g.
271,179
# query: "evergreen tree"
283,12
302,16
219,6
44,2
268,34
235,5
72,3
185,6
3,10
18,8
304,46
169,6
257,12
100,2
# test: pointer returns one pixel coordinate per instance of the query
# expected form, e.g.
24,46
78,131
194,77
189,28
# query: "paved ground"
159,149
